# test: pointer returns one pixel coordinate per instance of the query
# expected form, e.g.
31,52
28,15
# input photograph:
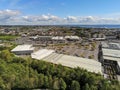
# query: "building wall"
23,52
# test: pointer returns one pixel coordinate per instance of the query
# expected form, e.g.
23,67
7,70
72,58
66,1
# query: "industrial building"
40,54
67,60
111,45
41,38
23,50
54,38
114,45
72,38
59,38
111,54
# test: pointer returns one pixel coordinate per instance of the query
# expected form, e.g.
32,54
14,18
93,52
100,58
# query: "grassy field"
7,37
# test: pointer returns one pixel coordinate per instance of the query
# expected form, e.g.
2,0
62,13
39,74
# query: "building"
58,39
40,54
41,38
99,39
111,45
110,37
111,54
111,59
23,50
72,38
45,38
67,60
114,45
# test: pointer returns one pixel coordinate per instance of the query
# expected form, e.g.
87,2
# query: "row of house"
59,38
104,36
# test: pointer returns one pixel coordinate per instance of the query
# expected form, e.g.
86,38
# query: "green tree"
2,85
62,84
46,82
40,80
50,81
56,84
86,87
75,85
6,55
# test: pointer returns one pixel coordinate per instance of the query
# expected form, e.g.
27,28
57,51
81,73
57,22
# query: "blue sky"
58,11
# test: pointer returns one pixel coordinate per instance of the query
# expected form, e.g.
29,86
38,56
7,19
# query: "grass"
7,37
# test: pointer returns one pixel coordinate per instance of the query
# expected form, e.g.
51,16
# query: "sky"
54,12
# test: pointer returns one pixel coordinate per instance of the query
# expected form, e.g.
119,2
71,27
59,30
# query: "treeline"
17,73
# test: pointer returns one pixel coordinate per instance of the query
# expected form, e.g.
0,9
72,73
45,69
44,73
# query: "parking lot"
74,48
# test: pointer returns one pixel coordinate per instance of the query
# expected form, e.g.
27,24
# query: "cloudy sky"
51,12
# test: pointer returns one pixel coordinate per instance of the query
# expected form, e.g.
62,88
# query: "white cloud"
7,14
71,18
41,18
15,17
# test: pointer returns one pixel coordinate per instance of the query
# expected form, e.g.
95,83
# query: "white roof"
72,37
33,37
111,52
116,44
23,48
99,38
1,44
72,61
41,53
104,44
58,38
111,58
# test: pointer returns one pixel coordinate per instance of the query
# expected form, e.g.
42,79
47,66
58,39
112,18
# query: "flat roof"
111,52
72,37
41,53
23,48
58,38
44,36
99,38
111,45
114,45
105,44
72,61
111,58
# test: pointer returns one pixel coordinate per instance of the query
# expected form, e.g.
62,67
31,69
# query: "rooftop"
23,48
111,58
70,61
58,38
111,52
41,53
111,45
71,37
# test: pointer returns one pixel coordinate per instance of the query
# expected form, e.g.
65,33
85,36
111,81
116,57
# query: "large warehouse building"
67,60
23,50
40,54
111,54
